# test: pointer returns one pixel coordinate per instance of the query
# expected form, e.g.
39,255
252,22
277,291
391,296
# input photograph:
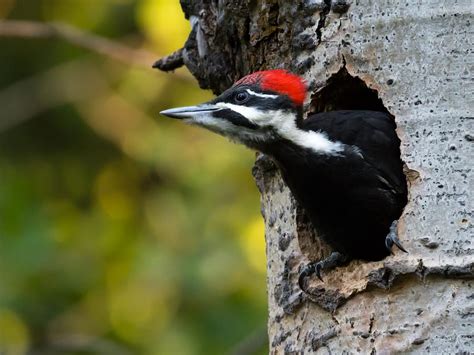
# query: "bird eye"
241,97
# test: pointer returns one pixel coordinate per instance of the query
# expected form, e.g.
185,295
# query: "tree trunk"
413,60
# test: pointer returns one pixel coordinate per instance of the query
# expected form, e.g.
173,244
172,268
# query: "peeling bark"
416,59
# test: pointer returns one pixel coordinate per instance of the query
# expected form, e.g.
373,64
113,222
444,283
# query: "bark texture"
415,60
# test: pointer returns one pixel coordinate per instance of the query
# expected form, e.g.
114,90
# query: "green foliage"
121,232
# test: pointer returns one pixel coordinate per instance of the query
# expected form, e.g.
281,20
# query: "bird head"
259,107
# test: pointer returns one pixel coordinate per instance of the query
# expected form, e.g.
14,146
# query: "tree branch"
170,62
104,46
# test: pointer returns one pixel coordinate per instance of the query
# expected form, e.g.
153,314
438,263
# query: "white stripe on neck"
284,123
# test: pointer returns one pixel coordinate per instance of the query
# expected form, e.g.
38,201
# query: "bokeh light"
121,232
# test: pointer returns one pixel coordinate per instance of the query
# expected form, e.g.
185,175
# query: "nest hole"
341,92
346,92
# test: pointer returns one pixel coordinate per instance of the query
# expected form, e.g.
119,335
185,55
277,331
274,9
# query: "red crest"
280,81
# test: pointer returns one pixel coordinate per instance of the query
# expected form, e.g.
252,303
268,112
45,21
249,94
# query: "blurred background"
121,232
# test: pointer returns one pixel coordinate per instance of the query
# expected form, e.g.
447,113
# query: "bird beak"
189,111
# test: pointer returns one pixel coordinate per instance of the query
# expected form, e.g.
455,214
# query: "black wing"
373,133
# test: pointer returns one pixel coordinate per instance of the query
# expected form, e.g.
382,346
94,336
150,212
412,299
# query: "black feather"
351,198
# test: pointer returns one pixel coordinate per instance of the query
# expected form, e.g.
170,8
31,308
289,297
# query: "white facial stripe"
226,128
284,123
251,113
266,96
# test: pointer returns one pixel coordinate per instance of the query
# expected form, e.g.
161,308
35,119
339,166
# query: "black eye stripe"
262,103
234,118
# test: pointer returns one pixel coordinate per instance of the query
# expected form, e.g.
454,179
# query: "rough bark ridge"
418,60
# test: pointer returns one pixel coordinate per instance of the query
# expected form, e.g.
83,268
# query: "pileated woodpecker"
343,167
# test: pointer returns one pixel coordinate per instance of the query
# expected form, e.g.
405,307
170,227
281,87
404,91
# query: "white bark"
418,56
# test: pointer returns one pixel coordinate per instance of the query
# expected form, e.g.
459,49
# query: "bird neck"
291,136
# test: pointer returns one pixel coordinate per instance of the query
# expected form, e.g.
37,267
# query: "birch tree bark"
415,60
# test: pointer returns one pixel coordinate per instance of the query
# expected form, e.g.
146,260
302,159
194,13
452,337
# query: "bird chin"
235,134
